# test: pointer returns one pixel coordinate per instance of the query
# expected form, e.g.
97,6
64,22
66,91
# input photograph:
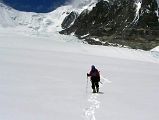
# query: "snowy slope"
155,52
156,49
40,22
44,77
6,18
43,74
36,21
83,4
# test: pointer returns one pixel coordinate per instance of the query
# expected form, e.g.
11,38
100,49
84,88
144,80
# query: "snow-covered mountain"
101,22
43,76
119,22
6,16
35,21
46,22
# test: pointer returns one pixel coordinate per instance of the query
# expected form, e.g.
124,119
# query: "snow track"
36,70
94,102
89,112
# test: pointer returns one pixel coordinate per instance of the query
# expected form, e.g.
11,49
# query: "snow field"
43,76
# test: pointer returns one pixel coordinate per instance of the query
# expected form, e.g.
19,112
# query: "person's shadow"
100,92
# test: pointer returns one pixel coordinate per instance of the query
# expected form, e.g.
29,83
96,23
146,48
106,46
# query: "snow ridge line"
89,112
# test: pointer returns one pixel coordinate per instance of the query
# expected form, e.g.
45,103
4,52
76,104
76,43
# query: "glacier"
43,74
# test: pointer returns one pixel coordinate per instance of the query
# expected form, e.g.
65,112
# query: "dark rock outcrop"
69,20
132,23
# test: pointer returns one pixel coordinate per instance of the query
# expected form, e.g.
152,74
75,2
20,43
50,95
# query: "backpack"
95,73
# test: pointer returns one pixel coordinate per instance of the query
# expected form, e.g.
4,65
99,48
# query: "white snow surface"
43,74
155,52
40,22
156,49
138,4
80,5
43,22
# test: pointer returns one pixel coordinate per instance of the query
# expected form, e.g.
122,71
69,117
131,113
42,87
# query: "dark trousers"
95,84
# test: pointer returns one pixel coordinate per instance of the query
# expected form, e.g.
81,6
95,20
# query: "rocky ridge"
118,23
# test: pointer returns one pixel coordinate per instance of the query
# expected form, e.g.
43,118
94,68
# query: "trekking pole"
87,85
100,82
105,80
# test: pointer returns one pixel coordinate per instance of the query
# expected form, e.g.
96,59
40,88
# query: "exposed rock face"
133,23
68,21
148,14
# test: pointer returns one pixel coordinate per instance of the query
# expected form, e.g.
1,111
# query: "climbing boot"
94,91
97,90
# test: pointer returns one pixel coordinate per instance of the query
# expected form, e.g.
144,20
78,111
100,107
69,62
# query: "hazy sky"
41,5
34,5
